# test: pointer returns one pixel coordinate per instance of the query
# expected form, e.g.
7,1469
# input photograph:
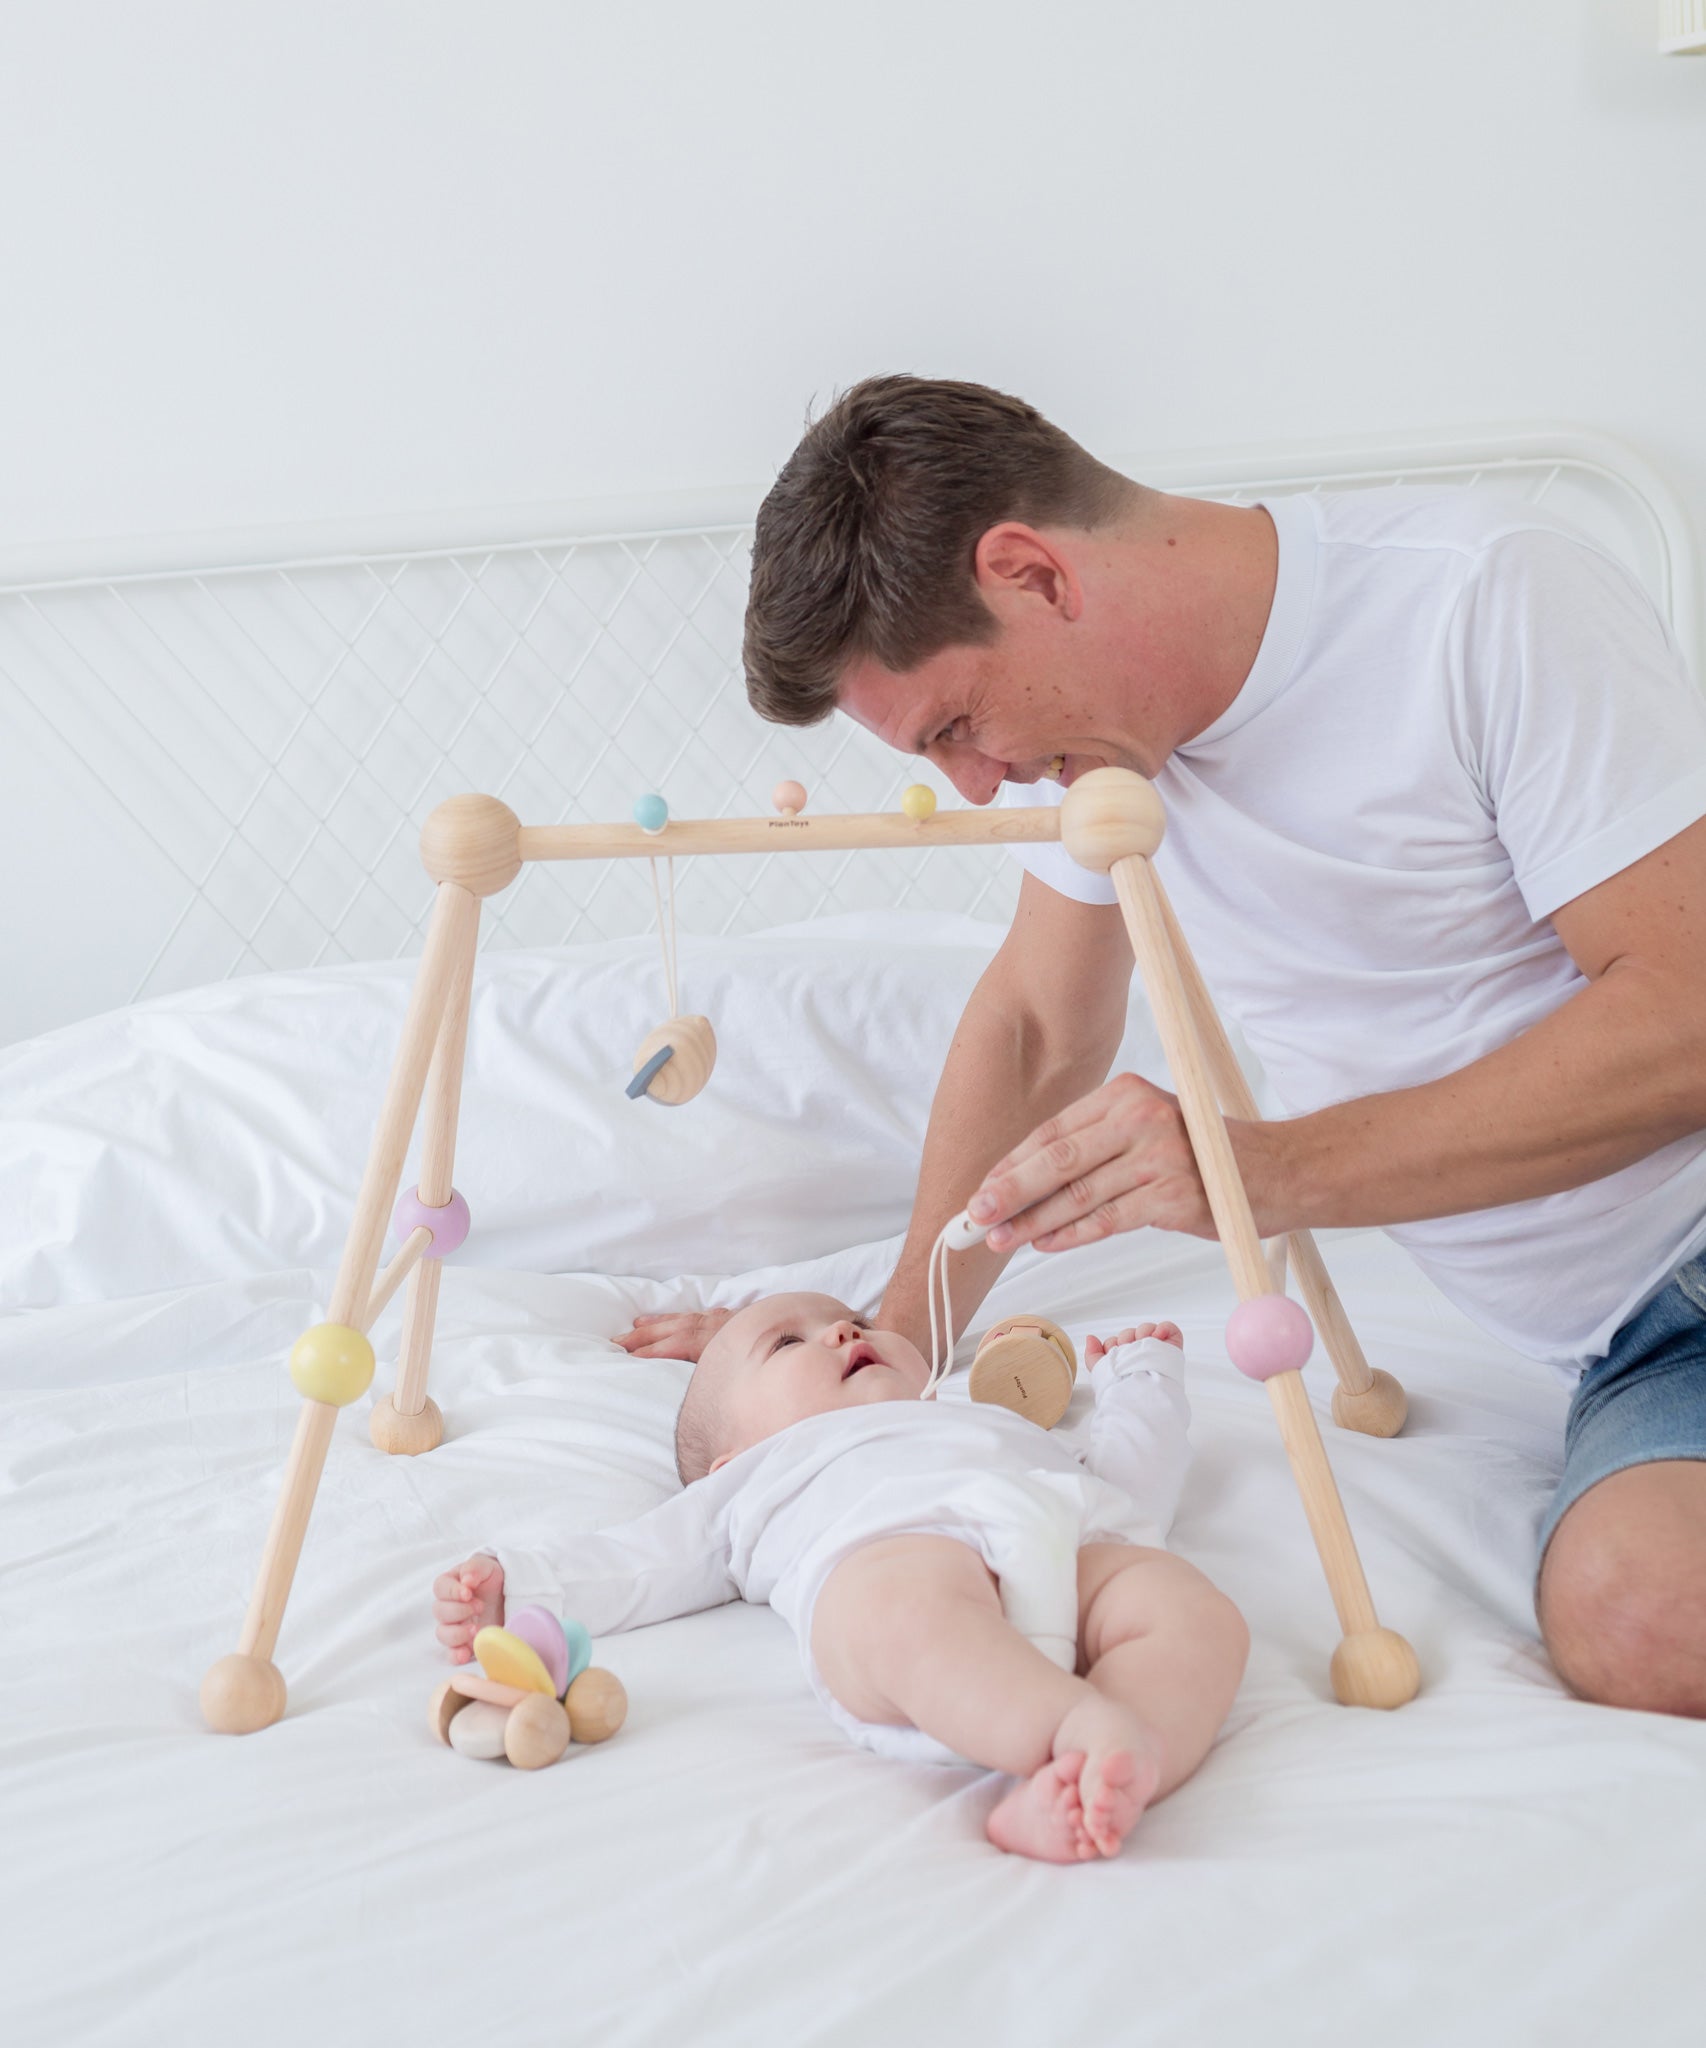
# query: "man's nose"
975,776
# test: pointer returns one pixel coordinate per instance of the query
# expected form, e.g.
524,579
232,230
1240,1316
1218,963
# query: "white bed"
1497,1862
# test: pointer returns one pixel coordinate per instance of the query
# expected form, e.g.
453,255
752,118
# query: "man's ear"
1016,561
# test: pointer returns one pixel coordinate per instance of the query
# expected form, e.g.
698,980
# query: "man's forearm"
1612,1075
1000,1080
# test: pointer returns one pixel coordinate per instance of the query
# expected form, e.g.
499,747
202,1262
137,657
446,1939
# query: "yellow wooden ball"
919,802
332,1363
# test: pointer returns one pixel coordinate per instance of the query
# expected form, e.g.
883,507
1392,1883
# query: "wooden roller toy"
537,1690
1028,1364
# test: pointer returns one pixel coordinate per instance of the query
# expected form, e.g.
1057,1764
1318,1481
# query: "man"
1435,780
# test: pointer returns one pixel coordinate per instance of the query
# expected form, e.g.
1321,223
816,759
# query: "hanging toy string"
958,1234
667,944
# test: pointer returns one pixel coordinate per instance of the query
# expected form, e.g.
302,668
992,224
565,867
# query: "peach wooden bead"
536,1733
597,1705
446,1704
789,798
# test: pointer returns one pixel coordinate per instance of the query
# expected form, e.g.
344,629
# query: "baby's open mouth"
857,1355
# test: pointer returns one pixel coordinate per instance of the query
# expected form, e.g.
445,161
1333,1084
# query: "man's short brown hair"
866,545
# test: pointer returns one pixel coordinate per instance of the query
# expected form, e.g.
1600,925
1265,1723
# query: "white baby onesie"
774,1522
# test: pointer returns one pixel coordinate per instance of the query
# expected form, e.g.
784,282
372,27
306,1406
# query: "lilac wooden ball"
1267,1335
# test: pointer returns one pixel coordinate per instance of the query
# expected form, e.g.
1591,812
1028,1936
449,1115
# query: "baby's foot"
1043,1816
1119,1774
1168,1333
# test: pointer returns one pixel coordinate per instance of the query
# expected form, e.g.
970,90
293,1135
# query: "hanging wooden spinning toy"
674,1062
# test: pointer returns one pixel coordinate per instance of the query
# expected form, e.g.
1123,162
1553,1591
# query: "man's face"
983,716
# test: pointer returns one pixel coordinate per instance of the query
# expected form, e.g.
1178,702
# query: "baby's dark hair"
698,1427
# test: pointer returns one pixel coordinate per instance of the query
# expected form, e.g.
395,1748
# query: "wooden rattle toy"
1025,1363
1028,1364
537,1690
674,1062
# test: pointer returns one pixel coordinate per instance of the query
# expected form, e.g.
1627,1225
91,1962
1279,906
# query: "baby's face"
793,1355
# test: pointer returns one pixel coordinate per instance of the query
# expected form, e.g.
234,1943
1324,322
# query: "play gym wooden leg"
1372,1666
332,1363
408,1421
1365,1399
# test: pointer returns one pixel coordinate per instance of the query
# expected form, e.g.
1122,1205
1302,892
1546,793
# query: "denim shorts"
1645,1399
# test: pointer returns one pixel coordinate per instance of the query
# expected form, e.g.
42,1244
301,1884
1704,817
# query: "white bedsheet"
1496,1863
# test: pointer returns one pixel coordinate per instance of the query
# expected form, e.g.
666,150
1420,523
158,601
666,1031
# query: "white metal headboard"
218,753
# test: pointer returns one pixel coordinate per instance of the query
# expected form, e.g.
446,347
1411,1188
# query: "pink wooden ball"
1269,1334
789,798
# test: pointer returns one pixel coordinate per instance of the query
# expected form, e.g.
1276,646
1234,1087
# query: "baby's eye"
787,1337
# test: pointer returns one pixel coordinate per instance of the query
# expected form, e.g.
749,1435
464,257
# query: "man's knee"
1623,1590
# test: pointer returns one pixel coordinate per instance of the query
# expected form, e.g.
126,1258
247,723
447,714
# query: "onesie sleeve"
672,1560
1577,716
1140,1429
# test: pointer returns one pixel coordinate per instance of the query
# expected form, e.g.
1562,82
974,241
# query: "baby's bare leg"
910,1632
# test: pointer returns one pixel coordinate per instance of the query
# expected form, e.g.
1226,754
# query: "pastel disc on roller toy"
511,1661
580,1649
539,1627
474,1685
478,1730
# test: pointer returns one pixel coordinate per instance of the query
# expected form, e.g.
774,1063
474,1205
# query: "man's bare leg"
910,1633
1622,1598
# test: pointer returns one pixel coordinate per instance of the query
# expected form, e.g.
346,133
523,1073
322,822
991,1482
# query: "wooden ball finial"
405,1436
1375,1668
240,1694
1107,814
1378,1411
789,798
474,841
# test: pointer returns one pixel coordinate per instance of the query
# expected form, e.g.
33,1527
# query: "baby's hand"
1168,1333
465,1601
680,1334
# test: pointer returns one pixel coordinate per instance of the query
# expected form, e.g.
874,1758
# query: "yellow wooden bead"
332,1363
919,802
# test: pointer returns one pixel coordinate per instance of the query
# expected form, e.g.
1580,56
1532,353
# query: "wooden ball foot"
1380,1411
596,1704
240,1694
405,1436
1375,1669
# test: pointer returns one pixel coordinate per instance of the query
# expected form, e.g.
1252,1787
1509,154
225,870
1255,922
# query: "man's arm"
1613,1074
1040,1029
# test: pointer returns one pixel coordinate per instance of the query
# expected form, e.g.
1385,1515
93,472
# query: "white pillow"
222,1132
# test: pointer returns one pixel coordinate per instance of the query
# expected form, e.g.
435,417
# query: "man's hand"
680,1333
1115,1160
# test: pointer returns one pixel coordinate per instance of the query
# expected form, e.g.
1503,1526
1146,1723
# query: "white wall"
261,264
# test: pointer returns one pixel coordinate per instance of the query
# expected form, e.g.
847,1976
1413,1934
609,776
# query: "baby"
964,1586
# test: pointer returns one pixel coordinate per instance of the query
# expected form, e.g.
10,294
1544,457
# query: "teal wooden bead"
332,1363
651,813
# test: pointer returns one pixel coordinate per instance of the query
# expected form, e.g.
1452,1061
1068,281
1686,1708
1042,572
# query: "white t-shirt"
1462,715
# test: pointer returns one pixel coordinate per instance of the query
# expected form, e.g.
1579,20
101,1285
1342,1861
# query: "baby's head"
784,1358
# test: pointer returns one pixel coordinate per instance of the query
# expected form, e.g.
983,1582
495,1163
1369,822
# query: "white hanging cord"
666,943
958,1234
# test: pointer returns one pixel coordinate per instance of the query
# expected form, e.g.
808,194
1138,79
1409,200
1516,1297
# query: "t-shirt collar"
1294,590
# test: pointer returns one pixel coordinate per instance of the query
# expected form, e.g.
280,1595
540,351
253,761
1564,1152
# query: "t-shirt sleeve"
1050,862
1579,718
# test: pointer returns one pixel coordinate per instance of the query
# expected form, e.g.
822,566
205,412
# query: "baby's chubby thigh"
884,1614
